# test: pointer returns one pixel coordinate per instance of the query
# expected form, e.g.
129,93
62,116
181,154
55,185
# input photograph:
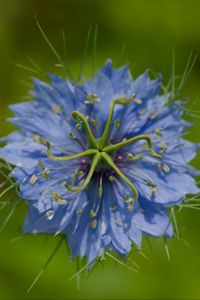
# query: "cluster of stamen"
101,150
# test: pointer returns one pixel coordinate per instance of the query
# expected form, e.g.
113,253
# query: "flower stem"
109,160
113,147
95,161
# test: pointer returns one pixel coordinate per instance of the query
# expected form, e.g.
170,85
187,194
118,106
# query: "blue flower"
102,161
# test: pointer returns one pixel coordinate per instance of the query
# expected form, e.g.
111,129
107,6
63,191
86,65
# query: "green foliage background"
151,29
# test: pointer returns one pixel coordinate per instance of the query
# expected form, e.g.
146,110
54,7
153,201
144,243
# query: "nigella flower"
101,162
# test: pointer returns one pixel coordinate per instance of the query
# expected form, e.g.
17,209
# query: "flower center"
100,150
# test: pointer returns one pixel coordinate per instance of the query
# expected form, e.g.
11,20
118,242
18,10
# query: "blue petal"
145,88
153,220
116,230
120,78
171,187
23,153
102,87
70,96
52,127
47,222
108,69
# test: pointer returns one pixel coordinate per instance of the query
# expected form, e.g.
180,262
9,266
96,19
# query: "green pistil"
117,146
95,162
88,152
110,162
78,117
122,101
101,150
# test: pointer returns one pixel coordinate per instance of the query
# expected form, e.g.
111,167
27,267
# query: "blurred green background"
151,30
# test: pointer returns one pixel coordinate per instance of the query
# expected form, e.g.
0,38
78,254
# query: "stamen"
41,165
118,125
76,174
132,157
109,160
153,115
79,211
92,214
100,192
143,111
165,168
80,188
128,199
163,145
93,122
137,101
159,167
157,132
49,214
71,136
118,220
131,206
152,186
38,139
79,126
161,151
74,138
33,179
57,109
57,197
92,98
45,173
111,178
123,101
93,224
88,152
78,117
111,148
